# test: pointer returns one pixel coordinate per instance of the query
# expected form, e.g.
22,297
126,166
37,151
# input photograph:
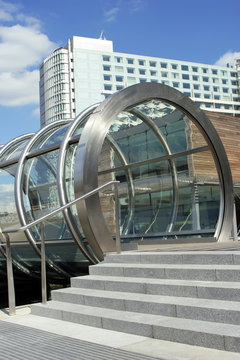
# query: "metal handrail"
41,220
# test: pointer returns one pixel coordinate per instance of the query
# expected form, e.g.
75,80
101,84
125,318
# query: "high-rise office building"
87,70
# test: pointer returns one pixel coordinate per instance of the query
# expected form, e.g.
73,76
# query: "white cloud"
135,5
7,10
27,45
228,58
110,15
22,48
18,89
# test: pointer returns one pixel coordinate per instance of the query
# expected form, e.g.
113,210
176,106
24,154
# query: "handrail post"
43,266
118,240
10,279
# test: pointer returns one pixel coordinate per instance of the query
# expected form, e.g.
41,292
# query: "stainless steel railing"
6,232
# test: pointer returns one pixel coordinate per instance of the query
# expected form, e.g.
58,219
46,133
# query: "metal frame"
91,141
18,190
6,232
62,192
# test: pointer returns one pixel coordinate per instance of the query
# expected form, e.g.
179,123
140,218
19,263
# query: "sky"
206,31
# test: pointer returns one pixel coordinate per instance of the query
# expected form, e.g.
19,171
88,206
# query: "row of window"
184,85
165,65
54,59
108,77
175,75
53,90
109,87
55,79
217,106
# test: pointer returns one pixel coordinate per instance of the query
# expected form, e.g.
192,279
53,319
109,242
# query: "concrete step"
218,290
176,257
169,271
189,308
194,332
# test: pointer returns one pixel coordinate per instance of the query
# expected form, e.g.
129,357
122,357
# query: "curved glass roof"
154,140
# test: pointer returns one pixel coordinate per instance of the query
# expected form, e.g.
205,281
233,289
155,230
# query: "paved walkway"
25,337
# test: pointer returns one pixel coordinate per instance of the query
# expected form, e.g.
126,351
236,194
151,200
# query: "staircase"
191,297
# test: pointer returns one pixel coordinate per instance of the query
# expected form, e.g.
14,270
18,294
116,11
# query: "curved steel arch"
3,149
62,192
18,191
91,141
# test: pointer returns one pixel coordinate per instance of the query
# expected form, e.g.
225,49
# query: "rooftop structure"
86,71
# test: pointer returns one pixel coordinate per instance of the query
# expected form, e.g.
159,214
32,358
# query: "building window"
153,73
227,107
141,62
107,77
215,80
185,76
225,90
130,61
119,87
194,69
152,63
214,72
197,95
175,75
164,74
224,73
174,66
186,85
187,93
207,105
205,70
119,78
206,96
205,78
142,71
195,78
163,65
216,97
196,87
234,83
217,106
106,67
215,89
154,81
142,80
184,67
233,74
118,59
175,84
224,81
130,70
107,87
206,87
106,58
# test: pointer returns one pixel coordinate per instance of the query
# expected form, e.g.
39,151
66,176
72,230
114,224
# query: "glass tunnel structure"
175,180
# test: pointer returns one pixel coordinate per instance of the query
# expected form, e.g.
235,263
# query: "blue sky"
202,31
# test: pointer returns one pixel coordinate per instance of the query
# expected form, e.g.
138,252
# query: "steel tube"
10,280
43,266
118,240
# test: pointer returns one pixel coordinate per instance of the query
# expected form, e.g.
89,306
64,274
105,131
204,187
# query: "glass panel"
14,151
52,137
8,211
69,181
41,197
158,196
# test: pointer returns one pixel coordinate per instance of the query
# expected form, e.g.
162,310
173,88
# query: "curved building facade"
175,180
